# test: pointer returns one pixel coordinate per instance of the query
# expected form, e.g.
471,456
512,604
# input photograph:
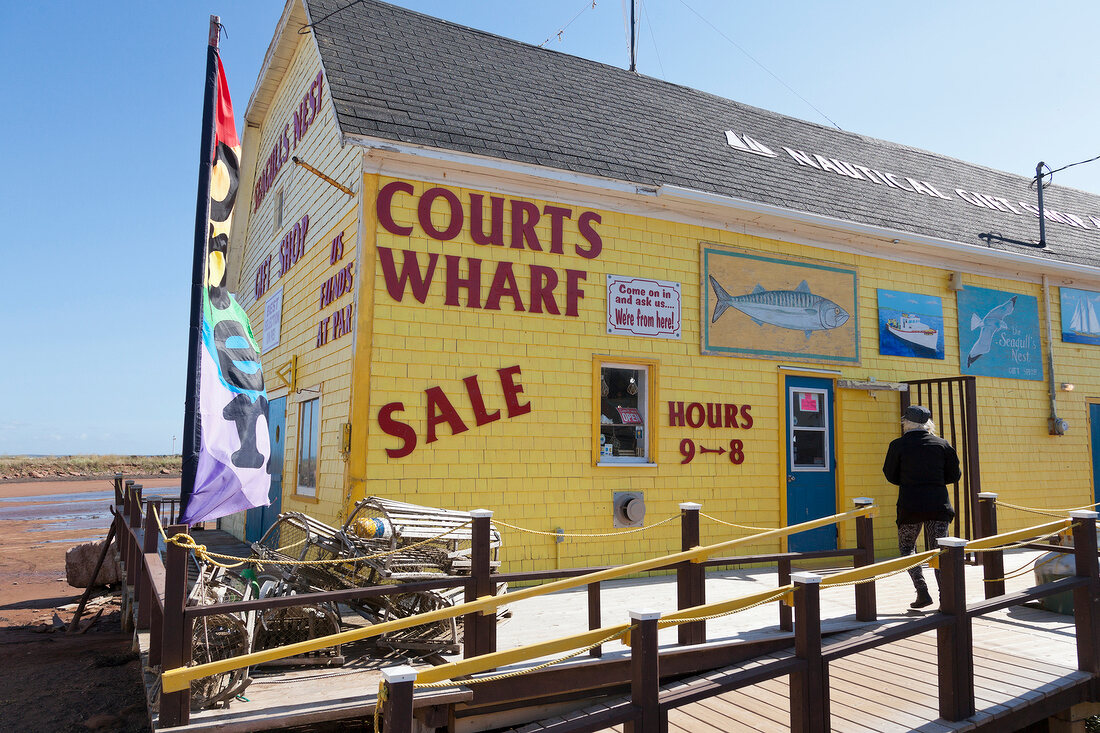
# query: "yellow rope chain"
1047,512
739,526
187,542
880,576
1014,545
581,534
677,621
1021,570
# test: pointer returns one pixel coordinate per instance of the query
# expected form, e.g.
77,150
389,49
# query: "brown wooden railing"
156,589
808,669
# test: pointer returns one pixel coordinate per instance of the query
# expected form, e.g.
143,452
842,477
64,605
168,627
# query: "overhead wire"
587,4
649,25
738,46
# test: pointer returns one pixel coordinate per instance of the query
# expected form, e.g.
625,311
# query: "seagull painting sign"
999,334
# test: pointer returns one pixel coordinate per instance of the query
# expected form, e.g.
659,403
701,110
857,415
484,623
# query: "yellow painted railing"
175,680
988,543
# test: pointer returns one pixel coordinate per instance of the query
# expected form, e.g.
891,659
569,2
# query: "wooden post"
175,646
691,577
786,613
397,710
594,620
809,686
480,629
645,674
138,560
118,489
148,544
1086,599
993,562
955,648
92,584
866,603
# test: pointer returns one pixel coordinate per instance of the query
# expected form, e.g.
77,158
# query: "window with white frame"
625,420
309,427
279,209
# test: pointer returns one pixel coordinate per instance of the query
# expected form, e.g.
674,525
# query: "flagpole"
192,439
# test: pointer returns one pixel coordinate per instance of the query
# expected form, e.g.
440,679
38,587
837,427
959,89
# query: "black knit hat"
917,414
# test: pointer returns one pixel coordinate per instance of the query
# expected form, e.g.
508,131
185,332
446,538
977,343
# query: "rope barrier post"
954,642
397,707
175,646
786,613
138,560
866,602
129,557
118,488
691,577
993,561
480,629
645,673
148,545
594,620
810,684
1086,599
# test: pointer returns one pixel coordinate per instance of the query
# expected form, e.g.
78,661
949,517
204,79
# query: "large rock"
80,562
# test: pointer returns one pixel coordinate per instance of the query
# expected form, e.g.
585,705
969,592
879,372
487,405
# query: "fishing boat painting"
1080,316
779,307
910,324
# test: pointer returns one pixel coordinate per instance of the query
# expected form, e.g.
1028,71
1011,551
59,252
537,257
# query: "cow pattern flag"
232,473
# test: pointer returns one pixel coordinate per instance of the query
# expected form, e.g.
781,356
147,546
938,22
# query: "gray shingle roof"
403,76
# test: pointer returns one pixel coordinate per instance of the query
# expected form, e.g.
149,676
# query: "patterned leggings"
907,544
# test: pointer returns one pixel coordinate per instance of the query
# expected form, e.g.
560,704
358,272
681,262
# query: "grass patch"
44,467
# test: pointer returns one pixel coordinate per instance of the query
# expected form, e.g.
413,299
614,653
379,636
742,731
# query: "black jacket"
922,465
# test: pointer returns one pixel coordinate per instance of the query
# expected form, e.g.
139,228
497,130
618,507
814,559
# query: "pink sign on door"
807,402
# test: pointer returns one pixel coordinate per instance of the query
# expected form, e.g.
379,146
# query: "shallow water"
72,512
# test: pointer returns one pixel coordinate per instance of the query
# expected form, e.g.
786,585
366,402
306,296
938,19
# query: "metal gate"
954,405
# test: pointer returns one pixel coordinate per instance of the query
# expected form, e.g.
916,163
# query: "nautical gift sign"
777,307
1080,316
637,306
999,334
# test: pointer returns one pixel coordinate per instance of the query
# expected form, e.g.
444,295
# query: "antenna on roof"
633,36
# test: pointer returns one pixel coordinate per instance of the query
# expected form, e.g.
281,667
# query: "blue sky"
101,135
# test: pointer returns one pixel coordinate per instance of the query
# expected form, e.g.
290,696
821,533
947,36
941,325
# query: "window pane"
308,429
623,413
808,409
808,449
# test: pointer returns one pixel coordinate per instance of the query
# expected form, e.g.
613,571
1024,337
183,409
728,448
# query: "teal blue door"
260,519
811,461
1094,425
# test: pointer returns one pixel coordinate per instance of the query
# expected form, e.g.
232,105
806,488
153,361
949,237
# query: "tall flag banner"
226,460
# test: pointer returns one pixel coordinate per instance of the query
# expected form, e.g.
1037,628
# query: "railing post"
480,629
786,613
993,561
118,489
148,544
1086,599
138,560
809,685
397,709
866,602
954,642
594,616
691,577
645,674
175,645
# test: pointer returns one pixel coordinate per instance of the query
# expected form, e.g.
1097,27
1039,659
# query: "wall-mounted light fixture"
955,282
1067,386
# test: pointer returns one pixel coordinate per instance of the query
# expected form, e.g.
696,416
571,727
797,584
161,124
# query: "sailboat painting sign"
1080,316
910,324
999,334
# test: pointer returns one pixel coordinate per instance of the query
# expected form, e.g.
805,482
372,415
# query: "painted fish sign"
783,308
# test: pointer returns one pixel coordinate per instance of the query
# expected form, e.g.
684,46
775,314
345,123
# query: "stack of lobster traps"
383,542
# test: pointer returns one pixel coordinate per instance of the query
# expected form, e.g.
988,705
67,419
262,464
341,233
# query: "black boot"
924,599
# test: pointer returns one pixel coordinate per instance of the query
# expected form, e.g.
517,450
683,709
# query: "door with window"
811,461
260,519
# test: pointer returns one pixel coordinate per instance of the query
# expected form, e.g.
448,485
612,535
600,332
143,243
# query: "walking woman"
921,464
